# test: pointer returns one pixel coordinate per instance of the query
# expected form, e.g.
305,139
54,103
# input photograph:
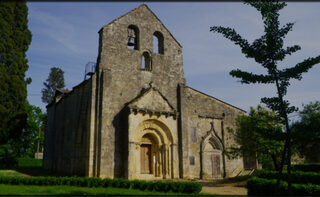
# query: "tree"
268,51
306,132
258,135
15,38
33,134
55,80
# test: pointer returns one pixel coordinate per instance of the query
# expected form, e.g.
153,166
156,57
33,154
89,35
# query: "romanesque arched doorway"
153,151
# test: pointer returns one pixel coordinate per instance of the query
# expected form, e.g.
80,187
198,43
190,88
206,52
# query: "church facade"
135,117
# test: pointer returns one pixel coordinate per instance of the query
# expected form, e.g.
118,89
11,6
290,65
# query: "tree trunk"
275,162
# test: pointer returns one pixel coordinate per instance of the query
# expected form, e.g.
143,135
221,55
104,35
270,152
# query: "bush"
259,186
308,167
181,187
162,186
7,157
298,177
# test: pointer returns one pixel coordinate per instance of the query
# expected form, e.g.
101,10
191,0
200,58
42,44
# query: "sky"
65,35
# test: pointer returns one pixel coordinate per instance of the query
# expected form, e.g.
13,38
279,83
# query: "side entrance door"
215,162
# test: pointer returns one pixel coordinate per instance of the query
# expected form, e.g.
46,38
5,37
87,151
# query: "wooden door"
215,161
145,158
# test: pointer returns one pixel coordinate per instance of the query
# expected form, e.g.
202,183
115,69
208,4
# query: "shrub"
123,183
135,184
259,186
308,167
106,182
299,177
162,186
181,187
193,187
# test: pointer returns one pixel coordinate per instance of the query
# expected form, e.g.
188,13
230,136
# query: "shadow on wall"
120,123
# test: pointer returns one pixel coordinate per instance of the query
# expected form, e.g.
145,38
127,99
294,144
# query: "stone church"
135,117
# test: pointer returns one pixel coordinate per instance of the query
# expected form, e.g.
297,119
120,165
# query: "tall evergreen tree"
15,39
55,80
268,51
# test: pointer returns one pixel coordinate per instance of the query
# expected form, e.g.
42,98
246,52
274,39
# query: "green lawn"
9,173
26,167
71,190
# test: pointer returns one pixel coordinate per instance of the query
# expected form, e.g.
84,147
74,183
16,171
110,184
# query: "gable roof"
140,7
151,99
216,99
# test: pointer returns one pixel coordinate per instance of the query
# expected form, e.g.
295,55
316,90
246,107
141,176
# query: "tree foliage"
15,38
306,132
33,135
55,80
258,135
268,51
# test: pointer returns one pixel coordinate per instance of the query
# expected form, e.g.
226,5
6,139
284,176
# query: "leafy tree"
33,135
259,135
306,132
268,51
15,38
55,80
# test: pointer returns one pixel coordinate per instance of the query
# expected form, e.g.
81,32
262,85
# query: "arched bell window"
158,46
146,61
133,37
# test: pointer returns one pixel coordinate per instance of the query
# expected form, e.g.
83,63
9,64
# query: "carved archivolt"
157,128
213,138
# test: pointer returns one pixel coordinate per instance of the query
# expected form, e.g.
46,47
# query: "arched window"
146,61
158,46
133,37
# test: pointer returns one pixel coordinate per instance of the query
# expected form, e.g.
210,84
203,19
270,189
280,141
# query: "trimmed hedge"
161,186
264,187
307,167
298,177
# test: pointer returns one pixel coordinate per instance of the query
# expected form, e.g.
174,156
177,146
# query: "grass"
71,190
26,167
9,173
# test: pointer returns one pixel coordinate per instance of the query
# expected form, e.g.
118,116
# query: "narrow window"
193,134
133,37
192,160
146,61
158,46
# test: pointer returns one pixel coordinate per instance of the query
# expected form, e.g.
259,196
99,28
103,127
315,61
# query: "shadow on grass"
34,171
29,167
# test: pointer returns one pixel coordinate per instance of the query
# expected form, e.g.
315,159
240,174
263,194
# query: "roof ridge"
216,98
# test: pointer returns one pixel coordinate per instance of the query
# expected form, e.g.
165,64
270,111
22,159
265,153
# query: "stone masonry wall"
68,133
122,79
197,111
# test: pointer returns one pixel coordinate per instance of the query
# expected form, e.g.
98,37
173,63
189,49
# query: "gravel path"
221,188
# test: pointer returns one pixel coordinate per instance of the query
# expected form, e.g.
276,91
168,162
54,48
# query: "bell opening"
131,41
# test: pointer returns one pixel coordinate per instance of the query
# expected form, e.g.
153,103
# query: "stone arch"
211,156
133,37
146,63
158,39
154,142
155,126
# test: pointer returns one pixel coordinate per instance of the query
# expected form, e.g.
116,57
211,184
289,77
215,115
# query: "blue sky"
66,35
